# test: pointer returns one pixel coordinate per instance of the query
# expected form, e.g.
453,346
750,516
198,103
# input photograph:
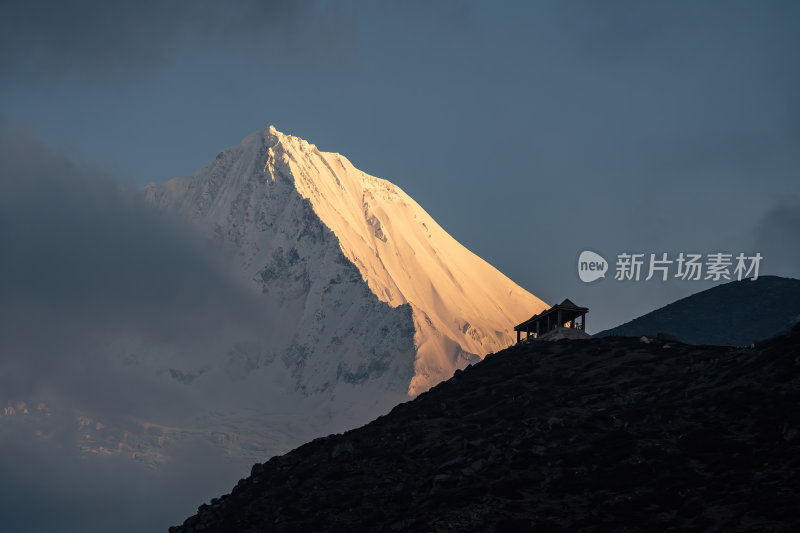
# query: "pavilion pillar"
518,333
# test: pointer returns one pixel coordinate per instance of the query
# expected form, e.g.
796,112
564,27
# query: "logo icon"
591,266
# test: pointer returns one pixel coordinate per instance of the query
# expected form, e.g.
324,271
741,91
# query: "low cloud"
87,271
47,486
89,277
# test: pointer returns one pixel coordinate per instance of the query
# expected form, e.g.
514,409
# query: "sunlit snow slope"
284,205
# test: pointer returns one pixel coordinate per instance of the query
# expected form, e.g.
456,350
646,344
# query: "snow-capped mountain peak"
461,306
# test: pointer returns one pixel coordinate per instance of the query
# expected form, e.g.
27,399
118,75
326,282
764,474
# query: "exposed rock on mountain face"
738,313
591,435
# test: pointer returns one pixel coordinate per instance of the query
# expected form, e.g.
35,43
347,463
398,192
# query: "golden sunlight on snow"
463,307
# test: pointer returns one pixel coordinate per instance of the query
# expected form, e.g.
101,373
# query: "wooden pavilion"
563,315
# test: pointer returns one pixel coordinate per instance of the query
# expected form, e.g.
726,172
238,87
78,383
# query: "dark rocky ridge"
588,435
738,313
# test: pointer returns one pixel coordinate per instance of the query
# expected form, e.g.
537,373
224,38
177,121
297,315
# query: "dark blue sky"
530,131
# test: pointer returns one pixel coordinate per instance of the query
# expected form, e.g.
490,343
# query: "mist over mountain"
738,313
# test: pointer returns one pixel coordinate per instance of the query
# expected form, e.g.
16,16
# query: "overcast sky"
529,130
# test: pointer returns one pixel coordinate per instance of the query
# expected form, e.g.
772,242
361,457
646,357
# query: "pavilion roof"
567,305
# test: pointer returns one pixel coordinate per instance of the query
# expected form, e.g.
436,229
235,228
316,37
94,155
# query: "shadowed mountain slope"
589,435
738,313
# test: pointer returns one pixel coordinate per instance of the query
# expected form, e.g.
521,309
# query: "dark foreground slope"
738,313
572,435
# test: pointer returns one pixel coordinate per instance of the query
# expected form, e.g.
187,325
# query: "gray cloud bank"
82,262
47,486
88,276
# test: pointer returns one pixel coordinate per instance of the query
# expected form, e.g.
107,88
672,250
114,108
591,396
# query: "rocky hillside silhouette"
603,434
738,313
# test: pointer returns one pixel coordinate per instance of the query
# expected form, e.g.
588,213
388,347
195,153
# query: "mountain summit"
367,291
